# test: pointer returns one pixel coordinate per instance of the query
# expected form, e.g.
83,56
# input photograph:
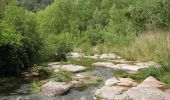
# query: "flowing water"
22,90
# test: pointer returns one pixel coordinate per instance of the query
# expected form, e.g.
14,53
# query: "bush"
63,76
19,41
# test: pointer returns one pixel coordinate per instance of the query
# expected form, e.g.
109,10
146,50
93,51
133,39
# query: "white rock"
53,63
120,82
55,88
104,64
73,68
75,55
108,56
128,67
70,68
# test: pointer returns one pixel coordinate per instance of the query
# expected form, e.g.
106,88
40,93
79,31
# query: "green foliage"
63,76
35,87
151,46
45,73
86,62
19,41
160,73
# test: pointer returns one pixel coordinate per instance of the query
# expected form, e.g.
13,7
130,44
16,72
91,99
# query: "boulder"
126,67
75,55
53,63
73,68
55,88
118,89
129,68
70,68
108,93
109,56
104,64
126,82
143,93
152,82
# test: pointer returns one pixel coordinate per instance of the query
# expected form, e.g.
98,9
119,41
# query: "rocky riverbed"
97,83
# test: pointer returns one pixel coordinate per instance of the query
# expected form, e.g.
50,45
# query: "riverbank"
82,83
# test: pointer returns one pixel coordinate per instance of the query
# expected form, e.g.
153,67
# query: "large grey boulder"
55,88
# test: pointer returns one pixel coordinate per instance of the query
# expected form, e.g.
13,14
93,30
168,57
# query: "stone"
123,61
125,67
143,93
108,93
111,82
119,89
75,55
73,68
55,88
104,64
70,68
126,82
108,56
152,82
86,79
53,63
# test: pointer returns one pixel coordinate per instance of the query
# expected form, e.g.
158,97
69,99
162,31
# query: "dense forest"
33,31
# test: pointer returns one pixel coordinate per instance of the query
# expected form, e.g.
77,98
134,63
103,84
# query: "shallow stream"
22,90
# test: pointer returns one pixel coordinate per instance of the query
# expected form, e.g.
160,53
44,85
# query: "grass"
159,73
62,76
86,62
150,46
35,87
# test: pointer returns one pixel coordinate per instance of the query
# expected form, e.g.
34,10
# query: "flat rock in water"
53,63
127,82
109,56
104,64
75,55
125,67
73,68
70,68
55,88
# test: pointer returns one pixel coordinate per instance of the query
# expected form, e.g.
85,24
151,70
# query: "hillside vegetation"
135,29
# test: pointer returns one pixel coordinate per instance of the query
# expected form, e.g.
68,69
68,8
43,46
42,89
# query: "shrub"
63,76
19,41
